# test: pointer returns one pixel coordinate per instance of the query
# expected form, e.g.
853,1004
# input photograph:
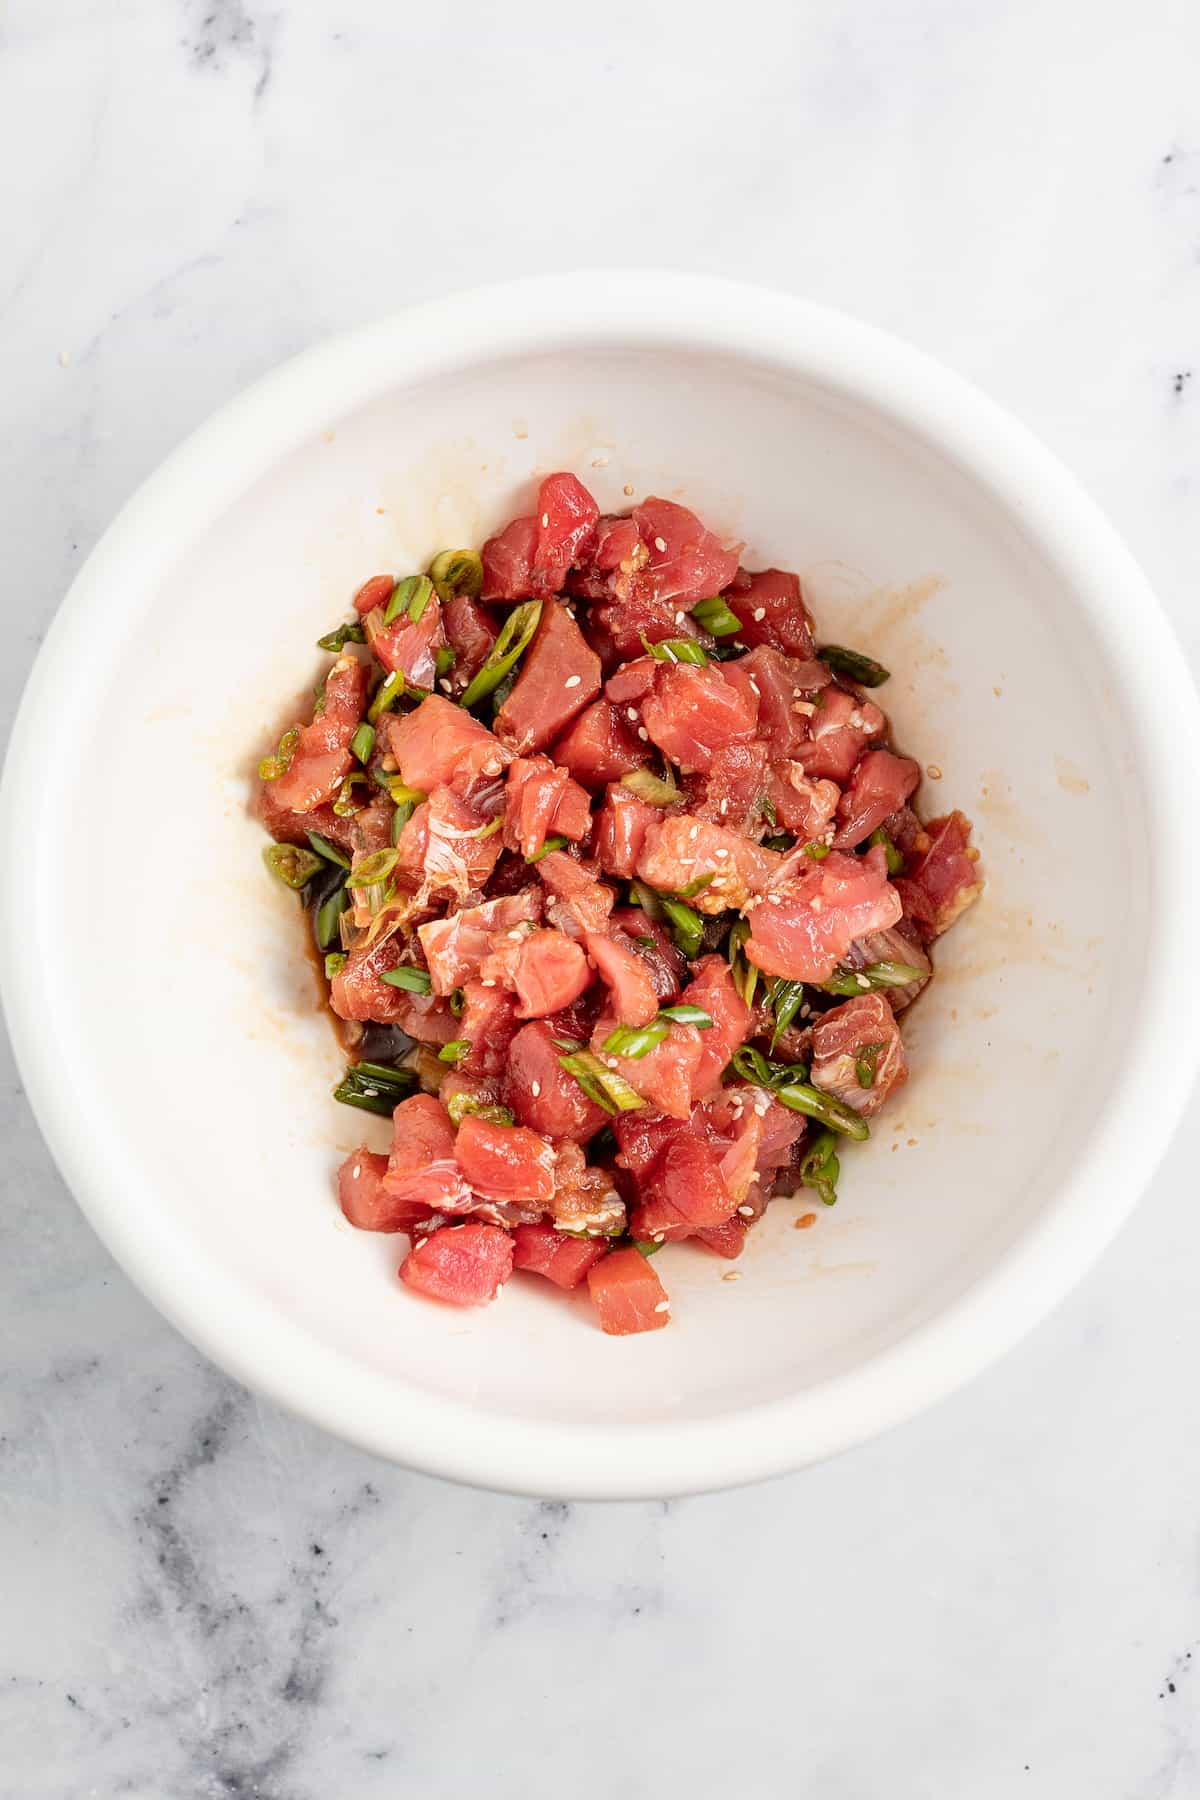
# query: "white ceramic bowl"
163,1010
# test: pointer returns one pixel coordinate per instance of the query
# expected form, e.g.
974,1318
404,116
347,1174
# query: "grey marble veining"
204,1598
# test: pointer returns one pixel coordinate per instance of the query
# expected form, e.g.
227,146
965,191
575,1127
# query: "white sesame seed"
760,613
643,734
732,1275
660,543
754,685
488,983
724,806
862,981
573,681
694,833
535,1088
631,713
720,854
663,1306
933,772
445,686
679,618
356,1171
610,1060
747,1212
817,904
658,1236
545,520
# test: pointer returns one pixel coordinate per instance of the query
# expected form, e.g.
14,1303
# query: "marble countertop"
204,1598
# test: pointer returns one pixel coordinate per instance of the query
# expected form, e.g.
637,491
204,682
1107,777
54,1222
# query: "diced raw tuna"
687,1177
727,1240
694,711
581,903
901,944
880,784
788,688
713,990
505,1163
627,1294
563,1260
731,793
802,929
839,731
375,592
664,1076
947,873
447,847
542,799
322,759
541,1093
665,962
464,1264
456,945
858,1054
680,850
620,829
440,745
566,518
488,1022
422,1176
643,1136
358,990
625,627
584,1198
470,632
632,994
599,747
407,648
803,807
288,827
685,562
364,1201
560,675
632,682
551,971
508,561
772,611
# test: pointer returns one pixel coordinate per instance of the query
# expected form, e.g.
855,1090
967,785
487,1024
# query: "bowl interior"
187,1006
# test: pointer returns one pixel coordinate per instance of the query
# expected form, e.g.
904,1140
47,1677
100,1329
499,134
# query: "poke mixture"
621,895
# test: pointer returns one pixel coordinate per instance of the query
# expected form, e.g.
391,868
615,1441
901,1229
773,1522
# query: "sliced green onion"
292,864
551,843
751,1065
410,595
654,789
636,1040
457,572
413,981
319,700
853,665
455,1050
714,616
818,852
375,1088
373,868
895,859
341,635
485,831
444,659
329,851
363,742
600,1083
516,635
329,913
675,650
875,975
400,819
820,1168
688,1015
745,975
697,887
645,1249
648,898
459,1105
503,691
272,767
802,1097
782,840
335,962
785,998
345,806
767,808
864,1065
458,1001
390,689
688,926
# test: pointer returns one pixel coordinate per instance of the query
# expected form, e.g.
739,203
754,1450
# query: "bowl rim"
240,1331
